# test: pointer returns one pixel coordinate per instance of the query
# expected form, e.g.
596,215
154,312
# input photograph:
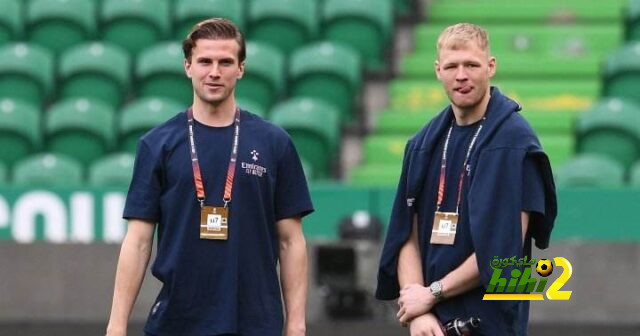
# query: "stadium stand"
112,171
327,71
314,127
11,21
189,12
590,170
621,72
48,170
159,72
264,77
60,24
80,128
19,130
26,72
95,70
284,24
135,25
139,116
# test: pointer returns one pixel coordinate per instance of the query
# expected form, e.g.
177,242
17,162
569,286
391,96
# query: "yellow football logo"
544,267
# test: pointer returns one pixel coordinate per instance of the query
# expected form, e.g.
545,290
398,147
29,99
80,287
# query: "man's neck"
473,114
215,116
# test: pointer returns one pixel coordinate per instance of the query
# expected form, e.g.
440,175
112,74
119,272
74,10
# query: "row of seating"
326,70
366,25
86,130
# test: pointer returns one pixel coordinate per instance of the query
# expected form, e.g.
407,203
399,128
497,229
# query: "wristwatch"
436,290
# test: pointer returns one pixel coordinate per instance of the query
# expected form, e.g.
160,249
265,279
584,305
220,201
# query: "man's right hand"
426,325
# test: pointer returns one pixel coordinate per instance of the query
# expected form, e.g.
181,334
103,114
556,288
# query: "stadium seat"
95,70
48,170
556,122
314,128
11,21
378,175
384,149
611,128
634,176
327,71
251,106
135,25
80,128
632,21
363,24
19,130
590,170
189,12
142,115
285,24
403,121
263,79
112,171
60,24
26,72
621,73
160,73
558,147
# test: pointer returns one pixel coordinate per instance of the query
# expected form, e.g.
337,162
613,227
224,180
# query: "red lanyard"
196,166
443,166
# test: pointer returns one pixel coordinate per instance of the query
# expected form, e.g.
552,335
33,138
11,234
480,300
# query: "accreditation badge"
444,228
214,223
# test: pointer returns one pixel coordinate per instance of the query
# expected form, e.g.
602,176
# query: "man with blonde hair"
475,184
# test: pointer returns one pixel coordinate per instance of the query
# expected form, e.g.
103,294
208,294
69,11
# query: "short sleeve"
292,197
143,198
533,197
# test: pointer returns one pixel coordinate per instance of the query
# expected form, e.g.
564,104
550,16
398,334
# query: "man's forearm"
132,264
462,279
293,274
409,260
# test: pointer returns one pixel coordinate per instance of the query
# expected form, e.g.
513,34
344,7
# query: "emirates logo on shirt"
254,155
253,168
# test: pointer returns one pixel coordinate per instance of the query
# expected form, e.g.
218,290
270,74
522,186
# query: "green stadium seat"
402,7
189,12
95,70
403,121
365,25
251,106
48,170
160,73
559,147
285,24
142,115
590,170
11,21
634,176
314,127
60,24
26,72
80,128
632,21
520,11
611,128
376,175
113,171
19,130
263,80
327,71
384,149
135,25
621,73
556,122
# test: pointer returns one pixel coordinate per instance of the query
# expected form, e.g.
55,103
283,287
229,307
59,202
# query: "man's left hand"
415,300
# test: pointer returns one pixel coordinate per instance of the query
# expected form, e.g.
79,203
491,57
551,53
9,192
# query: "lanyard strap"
197,177
443,166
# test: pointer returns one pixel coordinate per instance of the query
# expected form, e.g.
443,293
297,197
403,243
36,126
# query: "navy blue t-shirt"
213,287
439,260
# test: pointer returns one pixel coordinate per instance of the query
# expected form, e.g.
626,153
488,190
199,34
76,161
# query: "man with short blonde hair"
475,184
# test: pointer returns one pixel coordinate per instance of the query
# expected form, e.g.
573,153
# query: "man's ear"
187,67
241,72
436,68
